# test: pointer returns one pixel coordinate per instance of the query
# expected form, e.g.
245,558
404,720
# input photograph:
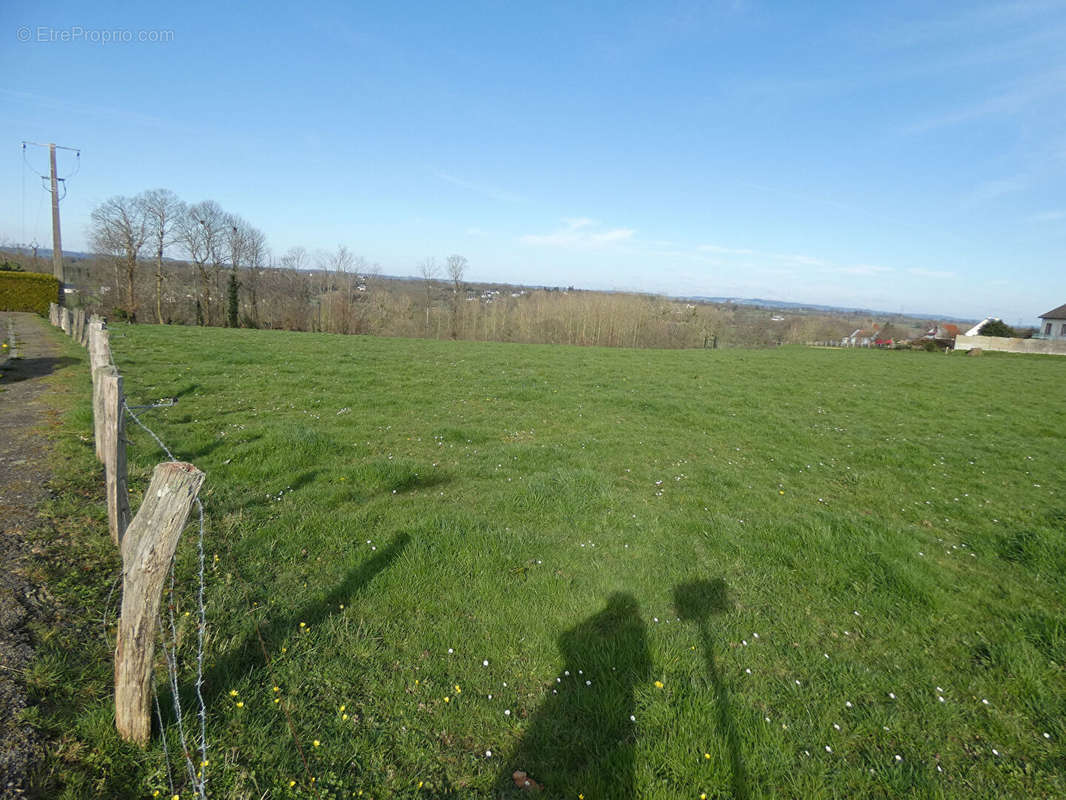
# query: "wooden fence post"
147,550
99,356
65,320
98,411
53,314
99,344
88,329
113,436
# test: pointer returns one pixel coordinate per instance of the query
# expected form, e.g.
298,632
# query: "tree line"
159,259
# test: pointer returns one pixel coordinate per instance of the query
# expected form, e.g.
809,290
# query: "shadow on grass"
698,601
189,389
248,657
23,369
582,738
221,441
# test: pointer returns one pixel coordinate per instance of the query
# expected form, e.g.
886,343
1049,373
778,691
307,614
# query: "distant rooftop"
1055,313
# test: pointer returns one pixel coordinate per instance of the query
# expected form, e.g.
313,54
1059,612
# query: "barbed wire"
198,777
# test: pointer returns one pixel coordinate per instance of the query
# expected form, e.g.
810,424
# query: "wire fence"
194,746
111,440
197,775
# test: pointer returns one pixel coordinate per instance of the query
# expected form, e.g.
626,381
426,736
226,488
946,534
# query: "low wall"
1049,347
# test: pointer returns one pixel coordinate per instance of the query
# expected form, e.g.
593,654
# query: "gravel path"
23,485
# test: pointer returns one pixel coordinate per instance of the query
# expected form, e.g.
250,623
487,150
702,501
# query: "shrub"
27,291
997,327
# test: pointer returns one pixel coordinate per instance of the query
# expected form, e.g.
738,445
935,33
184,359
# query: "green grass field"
630,573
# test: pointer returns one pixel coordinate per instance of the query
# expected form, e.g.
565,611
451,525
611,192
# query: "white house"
976,329
1053,324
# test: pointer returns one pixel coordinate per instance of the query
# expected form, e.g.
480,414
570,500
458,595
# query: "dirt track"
24,477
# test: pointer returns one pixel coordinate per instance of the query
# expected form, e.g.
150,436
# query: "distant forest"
159,260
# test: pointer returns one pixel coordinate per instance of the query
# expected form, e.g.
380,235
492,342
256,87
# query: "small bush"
27,291
997,327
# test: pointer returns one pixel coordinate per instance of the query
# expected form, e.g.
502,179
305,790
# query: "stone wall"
1044,346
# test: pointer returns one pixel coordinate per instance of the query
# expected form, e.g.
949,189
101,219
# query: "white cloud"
1012,101
801,260
931,273
988,191
487,191
795,259
577,234
864,269
1050,216
576,223
737,251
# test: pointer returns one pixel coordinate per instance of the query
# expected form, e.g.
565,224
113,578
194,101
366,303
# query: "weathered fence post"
99,356
113,443
65,320
99,344
53,314
147,550
98,411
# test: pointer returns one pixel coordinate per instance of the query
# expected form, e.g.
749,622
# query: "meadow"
629,573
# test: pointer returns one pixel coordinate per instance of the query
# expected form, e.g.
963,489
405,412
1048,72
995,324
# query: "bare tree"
429,271
236,245
162,212
456,268
342,264
200,232
256,254
117,228
295,258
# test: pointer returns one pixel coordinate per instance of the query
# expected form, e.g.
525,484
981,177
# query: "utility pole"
57,239
53,188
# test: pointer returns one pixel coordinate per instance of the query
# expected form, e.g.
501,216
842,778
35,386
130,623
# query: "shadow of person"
582,738
697,601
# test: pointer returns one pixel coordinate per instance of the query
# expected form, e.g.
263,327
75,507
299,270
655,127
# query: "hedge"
27,291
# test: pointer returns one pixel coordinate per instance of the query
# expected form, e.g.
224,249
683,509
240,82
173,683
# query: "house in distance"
1053,323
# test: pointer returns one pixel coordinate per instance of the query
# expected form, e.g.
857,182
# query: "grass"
629,573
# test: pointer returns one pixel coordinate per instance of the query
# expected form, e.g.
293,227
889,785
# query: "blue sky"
910,156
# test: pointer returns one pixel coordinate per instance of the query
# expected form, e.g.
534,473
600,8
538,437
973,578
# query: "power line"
54,181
